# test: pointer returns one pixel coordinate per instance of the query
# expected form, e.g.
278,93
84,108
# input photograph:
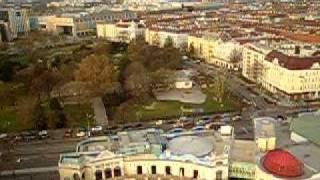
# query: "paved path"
99,111
29,171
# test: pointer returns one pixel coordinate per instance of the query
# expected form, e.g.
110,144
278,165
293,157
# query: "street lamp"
89,116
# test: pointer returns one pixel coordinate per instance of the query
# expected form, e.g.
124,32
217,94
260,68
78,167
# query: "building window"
18,14
83,177
219,175
98,175
117,171
139,169
195,174
182,172
168,170
108,173
153,169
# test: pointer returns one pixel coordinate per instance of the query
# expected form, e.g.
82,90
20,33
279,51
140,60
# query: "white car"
43,133
81,134
96,129
159,122
2,136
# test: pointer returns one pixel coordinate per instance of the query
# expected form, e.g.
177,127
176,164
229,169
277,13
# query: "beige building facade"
159,37
290,76
120,32
214,51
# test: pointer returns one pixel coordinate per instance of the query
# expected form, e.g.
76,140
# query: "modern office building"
80,24
13,22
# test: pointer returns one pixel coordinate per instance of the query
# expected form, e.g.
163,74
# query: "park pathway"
99,111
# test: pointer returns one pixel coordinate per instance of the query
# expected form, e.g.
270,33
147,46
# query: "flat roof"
194,145
308,126
243,151
264,127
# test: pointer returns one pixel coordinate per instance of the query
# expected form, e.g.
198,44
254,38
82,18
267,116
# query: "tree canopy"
97,72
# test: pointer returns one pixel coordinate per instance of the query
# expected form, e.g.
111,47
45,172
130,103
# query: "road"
36,154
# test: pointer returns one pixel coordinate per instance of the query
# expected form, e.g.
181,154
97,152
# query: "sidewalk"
29,171
100,114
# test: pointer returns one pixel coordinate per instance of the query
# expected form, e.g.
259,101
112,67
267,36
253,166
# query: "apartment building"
158,37
121,31
214,50
292,75
13,22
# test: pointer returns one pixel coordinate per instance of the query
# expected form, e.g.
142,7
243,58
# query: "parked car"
215,125
68,133
29,135
96,129
81,134
159,123
176,130
236,118
198,128
43,134
3,136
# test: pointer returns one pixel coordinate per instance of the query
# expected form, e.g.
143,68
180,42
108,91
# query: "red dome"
282,163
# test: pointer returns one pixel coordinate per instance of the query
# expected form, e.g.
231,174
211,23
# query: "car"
3,136
81,133
96,128
137,125
215,125
236,118
68,133
29,135
198,128
159,122
43,134
226,119
176,130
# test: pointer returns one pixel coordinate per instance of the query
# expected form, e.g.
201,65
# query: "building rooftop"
243,151
264,127
282,163
194,145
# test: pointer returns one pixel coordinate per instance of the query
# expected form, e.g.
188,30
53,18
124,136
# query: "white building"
145,153
290,72
159,38
121,31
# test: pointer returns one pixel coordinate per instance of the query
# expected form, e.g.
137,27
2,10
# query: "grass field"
8,121
77,114
173,108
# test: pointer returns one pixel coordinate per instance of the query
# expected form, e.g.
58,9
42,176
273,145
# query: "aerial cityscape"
160,89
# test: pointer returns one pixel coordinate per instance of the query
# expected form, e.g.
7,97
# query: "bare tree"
220,87
137,81
45,82
235,56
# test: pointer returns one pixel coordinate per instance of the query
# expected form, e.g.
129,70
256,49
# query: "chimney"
297,50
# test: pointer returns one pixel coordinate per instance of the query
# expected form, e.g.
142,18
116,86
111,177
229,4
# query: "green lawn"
173,108
78,114
8,121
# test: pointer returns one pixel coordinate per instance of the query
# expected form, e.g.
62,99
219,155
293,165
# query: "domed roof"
194,145
281,163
